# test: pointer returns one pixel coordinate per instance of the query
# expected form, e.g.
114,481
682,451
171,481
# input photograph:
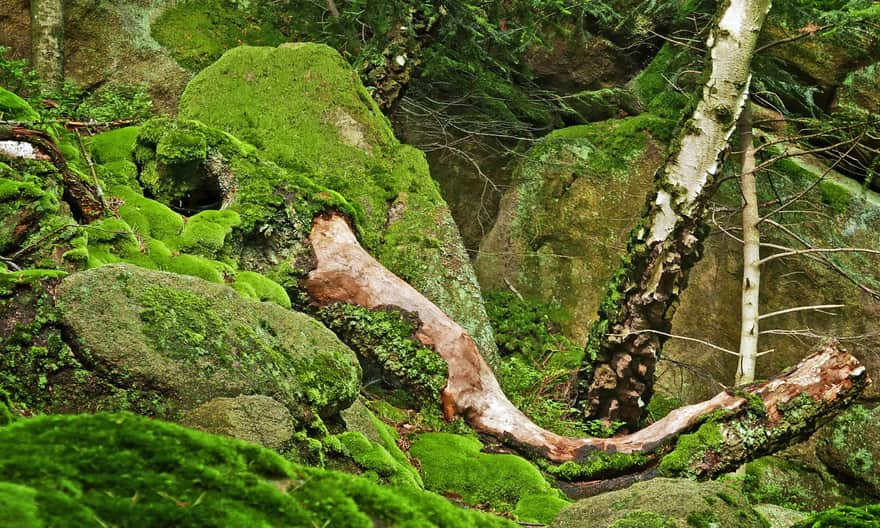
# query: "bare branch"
801,309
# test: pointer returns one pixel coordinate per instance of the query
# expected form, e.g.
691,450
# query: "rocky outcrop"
256,419
105,43
559,239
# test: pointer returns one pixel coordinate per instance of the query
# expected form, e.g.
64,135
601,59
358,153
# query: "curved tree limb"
346,273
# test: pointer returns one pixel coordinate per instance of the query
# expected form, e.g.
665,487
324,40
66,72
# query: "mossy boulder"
372,446
664,503
253,418
849,516
850,447
454,465
125,470
186,341
788,481
305,109
14,108
576,195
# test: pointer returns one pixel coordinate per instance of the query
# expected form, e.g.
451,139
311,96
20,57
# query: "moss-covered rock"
186,341
779,517
576,195
304,108
372,446
126,470
664,503
14,108
256,419
784,481
850,447
453,464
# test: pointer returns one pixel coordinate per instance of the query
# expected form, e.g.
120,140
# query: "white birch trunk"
748,341
645,292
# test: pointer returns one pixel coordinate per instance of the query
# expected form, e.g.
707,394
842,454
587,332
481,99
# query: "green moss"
114,145
178,147
9,280
207,232
385,337
376,461
197,33
20,506
848,516
260,288
14,108
661,405
454,464
690,449
148,217
598,464
124,470
836,197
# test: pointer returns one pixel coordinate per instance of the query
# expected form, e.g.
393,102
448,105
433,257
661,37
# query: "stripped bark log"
668,241
81,196
345,273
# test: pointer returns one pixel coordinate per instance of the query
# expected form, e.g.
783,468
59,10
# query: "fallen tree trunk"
791,404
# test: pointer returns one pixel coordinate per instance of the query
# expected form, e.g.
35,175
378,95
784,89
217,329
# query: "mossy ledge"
122,470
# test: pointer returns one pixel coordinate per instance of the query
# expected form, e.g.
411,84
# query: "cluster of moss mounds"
455,465
124,470
848,516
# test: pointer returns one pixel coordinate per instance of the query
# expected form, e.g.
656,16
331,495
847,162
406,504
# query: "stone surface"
850,447
663,503
183,341
565,221
105,42
779,517
256,419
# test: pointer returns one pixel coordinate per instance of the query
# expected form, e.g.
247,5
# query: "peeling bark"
345,272
668,240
